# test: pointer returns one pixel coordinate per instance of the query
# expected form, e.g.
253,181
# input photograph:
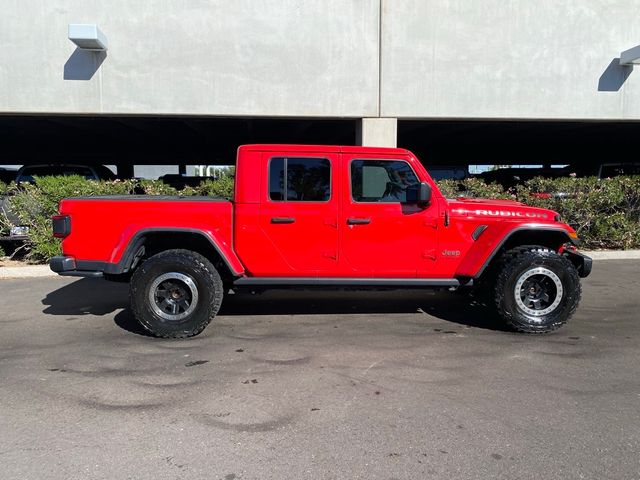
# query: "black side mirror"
419,194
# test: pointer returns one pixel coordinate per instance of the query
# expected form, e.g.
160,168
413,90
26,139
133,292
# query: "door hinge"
331,223
429,254
431,223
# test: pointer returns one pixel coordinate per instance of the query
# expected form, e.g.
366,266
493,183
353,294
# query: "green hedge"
35,204
606,213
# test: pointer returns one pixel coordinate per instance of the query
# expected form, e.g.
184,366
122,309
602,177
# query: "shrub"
35,204
4,188
155,187
473,187
606,213
222,187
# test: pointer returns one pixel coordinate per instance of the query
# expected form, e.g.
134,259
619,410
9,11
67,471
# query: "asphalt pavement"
318,385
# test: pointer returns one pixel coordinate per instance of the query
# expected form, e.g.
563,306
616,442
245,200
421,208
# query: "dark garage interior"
487,142
129,140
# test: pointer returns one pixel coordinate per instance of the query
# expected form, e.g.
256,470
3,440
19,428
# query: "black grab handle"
282,219
358,221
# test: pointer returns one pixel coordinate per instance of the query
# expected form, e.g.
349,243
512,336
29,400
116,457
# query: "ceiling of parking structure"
154,140
209,141
453,142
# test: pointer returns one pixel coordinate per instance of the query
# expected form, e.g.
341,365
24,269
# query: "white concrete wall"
440,58
508,58
222,57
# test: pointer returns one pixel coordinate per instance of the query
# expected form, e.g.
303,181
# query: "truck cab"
335,213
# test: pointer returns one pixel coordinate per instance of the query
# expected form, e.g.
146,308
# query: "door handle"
283,219
358,221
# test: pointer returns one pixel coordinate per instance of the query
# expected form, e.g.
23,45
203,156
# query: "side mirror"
419,194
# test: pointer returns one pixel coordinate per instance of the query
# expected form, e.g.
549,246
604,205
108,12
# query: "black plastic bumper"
582,263
67,266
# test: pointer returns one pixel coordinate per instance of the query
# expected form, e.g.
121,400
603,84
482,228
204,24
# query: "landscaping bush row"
34,204
606,213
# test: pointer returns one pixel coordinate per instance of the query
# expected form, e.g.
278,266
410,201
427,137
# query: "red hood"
506,209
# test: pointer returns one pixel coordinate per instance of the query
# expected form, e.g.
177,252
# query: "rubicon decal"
510,213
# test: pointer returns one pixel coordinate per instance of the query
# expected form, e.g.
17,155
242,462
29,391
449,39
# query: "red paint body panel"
501,218
101,227
398,241
308,246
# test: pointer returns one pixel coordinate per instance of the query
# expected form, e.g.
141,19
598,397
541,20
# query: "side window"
299,179
381,180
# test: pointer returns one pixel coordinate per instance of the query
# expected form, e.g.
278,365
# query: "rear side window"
299,179
381,180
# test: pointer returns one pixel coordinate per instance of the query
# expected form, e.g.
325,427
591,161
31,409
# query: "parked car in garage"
605,170
512,176
448,172
90,172
7,175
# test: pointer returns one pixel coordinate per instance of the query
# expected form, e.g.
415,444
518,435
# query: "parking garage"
188,141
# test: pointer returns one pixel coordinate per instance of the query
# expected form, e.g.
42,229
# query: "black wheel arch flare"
139,241
552,237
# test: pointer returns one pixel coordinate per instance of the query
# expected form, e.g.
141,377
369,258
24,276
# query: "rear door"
299,215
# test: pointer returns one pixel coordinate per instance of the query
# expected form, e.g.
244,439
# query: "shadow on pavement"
87,296
90,296
457,307
126,321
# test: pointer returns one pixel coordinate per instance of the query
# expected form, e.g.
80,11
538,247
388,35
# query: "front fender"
497,235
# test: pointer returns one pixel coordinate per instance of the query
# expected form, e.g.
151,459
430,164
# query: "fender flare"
510,234
137,242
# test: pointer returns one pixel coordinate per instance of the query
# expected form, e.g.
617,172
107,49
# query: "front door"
299,215
381,234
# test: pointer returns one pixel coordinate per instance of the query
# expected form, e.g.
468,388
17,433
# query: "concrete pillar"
377,132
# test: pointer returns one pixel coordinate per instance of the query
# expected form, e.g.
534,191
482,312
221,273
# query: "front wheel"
175,294
537,290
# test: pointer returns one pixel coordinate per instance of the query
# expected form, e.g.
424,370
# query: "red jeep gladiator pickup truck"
321,216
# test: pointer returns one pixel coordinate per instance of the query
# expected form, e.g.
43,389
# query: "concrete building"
187,81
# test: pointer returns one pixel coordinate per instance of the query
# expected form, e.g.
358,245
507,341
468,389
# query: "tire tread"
187,258
513,259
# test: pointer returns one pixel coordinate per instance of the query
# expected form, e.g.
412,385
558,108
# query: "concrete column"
377,132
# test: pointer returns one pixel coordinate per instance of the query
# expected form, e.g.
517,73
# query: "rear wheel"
536,290
176,293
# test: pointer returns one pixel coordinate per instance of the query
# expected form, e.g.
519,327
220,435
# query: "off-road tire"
516,265
201,281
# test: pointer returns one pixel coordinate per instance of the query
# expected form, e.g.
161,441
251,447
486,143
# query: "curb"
43,271
30,271
613,254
